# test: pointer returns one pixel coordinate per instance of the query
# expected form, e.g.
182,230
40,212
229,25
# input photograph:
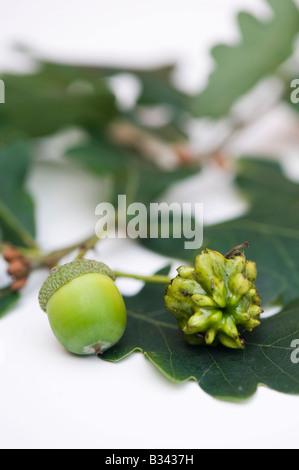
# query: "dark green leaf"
221,372
175,246
99,156
146,181
271,226
54,98
17,224
58,96
134,176
157,88
265,45
159,92
7,301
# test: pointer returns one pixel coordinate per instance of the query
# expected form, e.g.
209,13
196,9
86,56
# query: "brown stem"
147,145
86,246
51,260
237,248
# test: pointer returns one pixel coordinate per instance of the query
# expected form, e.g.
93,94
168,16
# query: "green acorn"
212,301
86,311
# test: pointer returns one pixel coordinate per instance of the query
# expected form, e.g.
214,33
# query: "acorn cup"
212,301
85,309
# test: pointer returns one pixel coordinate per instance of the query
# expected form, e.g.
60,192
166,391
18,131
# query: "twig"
237,248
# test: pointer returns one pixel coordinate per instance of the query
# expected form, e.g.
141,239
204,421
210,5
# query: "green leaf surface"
58,96
146,182
17,222
221,372
7,301
157,88
139,179
264,46
99,156
271,226
54,98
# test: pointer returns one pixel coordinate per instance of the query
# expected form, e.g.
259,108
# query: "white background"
50,398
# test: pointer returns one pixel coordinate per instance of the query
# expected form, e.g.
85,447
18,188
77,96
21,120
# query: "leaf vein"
278,367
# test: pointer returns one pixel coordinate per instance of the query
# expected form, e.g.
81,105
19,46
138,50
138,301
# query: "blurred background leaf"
54,98
270,225
7,301
17,221
140,179
264,46
58,96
